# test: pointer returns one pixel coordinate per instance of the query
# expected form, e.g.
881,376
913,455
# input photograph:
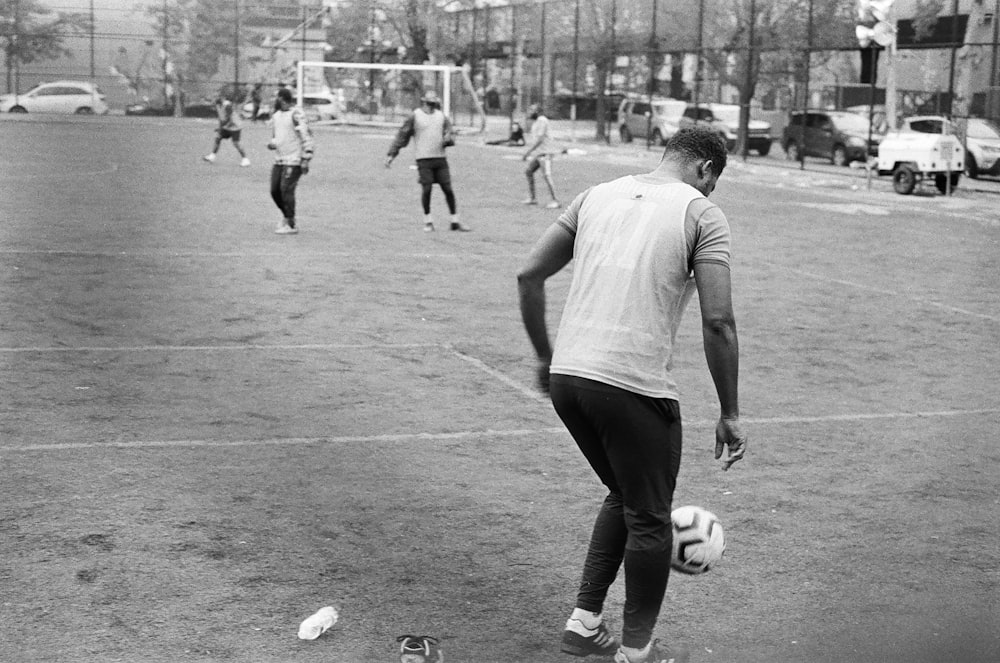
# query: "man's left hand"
305,166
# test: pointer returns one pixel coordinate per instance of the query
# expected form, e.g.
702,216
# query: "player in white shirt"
292,143
229,128
539,156
640,246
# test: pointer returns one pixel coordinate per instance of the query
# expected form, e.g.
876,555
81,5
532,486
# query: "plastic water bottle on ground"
317,624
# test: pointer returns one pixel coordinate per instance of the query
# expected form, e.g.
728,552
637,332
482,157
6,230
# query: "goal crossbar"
446,70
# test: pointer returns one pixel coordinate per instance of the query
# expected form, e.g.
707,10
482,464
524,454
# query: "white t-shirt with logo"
636,244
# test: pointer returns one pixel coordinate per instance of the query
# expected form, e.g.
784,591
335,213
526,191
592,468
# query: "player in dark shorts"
228,129
430,131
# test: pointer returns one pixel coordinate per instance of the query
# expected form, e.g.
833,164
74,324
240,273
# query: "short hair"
285,95
698,143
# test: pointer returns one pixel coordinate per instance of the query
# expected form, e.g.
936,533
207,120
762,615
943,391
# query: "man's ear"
705,168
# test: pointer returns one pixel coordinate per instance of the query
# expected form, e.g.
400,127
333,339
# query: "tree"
32,32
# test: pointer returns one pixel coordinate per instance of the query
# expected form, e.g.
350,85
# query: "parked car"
840,136
57,97
725,118
657,121
318,106
199,109
982,147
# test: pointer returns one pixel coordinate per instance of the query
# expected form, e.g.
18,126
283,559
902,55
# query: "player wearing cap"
431,132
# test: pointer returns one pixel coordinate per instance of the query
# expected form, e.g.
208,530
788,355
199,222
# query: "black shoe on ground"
598,641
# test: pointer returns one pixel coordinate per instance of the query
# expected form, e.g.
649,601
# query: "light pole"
805,93
236,55
576,63
872,32
651,57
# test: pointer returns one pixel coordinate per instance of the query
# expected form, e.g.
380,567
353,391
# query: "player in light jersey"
229,128
640,244
292,143
539,156
430,130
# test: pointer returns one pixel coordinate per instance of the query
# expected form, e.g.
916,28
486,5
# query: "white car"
982,147
725,118
660,119
316,105
57,97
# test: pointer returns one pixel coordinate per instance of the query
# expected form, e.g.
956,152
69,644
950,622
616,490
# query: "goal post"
377,93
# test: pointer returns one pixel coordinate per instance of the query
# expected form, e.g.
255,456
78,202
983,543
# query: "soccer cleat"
460,227
579,640
553,205
245,162
428,227
419,649
529,201
209,157
657,654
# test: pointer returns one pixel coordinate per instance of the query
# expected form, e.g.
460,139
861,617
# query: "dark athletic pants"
633,443
284,179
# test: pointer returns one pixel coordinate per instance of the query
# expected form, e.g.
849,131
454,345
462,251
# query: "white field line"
169,253
883,291
533,394
224,348
465,435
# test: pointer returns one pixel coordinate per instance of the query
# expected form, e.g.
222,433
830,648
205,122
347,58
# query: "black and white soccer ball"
699,541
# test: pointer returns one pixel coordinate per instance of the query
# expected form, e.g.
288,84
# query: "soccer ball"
699,541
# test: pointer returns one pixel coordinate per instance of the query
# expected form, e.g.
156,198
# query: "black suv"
840,136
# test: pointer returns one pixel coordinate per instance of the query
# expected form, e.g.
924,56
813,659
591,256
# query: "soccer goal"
379,93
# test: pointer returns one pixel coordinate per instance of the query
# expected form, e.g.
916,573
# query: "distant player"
292,143
542,148
229,128
430,130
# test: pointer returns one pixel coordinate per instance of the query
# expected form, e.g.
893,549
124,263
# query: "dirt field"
208,431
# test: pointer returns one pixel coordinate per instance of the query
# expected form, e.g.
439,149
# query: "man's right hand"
729,435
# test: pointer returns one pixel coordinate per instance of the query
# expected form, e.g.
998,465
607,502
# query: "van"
656,121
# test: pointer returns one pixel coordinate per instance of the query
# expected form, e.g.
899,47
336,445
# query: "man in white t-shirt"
229,129
640,246
539,156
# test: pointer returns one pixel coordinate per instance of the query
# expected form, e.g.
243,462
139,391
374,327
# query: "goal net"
378,93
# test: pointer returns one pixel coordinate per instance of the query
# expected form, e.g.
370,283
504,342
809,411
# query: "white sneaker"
245,162
658,653
209,158
553,205
428,227
285,229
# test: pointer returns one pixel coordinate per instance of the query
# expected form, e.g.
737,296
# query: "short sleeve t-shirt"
540,129
636,244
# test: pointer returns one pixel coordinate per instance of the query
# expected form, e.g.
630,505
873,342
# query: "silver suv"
656,121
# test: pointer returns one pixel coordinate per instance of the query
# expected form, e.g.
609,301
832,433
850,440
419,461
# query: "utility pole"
954,50
747,83
651,85
576,64
236,58
994,75
91,41
805,93
697,66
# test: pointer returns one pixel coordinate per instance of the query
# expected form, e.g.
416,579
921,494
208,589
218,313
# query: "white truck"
923,148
